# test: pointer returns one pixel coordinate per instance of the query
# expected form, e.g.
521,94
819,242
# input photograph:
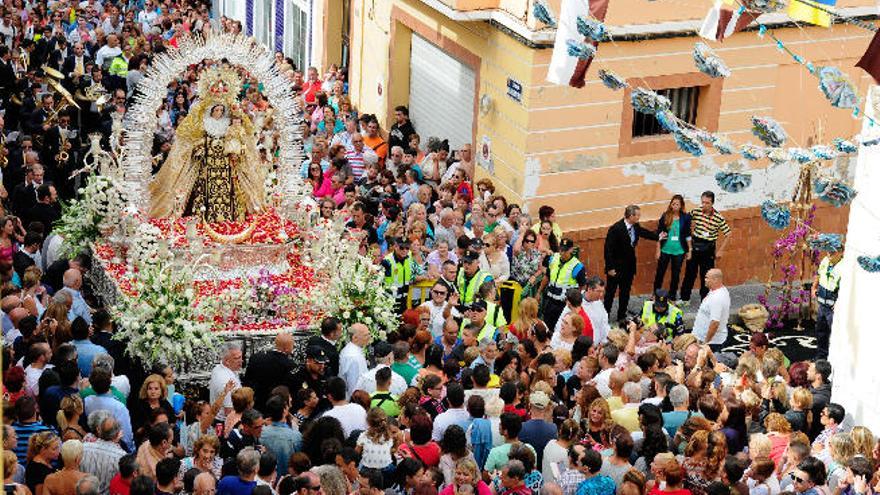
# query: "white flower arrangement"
355,292
161,320
99,209
144,245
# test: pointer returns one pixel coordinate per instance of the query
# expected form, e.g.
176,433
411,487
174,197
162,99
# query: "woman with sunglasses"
527,267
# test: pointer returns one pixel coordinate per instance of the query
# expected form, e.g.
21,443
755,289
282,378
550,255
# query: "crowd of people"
506,377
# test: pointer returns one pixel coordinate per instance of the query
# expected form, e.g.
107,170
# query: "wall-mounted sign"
514,90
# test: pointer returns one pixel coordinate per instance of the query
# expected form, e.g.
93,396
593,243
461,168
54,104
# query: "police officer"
825,286
494,312
399,269
660,313
475,314
470,277
564,271
312,375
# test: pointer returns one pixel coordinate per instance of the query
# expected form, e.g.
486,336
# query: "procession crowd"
507,376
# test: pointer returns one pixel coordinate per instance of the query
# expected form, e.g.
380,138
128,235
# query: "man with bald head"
268,369
204,484
710,327
7,304
73,285
352,361
15,316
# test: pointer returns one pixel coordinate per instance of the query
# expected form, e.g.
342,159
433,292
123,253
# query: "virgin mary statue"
213,170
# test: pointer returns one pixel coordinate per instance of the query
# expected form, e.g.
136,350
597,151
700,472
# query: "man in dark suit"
331,330
46,211
268,369
76,63
24,196
620,257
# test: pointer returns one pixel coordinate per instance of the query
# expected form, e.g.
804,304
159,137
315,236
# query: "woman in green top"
677,225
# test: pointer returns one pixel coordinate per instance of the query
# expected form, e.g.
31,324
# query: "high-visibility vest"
487,332
649,317
495,315
829,282
467,289
118,67
401,272
561,278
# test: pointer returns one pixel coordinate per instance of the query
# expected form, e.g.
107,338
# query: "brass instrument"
96,94
63,145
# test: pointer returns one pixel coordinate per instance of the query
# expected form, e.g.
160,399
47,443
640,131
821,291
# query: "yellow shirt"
614,403
627,417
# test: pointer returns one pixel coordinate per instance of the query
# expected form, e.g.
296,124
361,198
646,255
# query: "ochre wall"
747,258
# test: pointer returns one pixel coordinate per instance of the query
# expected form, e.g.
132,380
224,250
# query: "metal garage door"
441,94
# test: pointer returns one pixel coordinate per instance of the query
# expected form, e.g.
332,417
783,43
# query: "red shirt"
588,325
119,485
657,491
309,89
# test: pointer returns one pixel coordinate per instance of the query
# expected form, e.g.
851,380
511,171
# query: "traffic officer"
312,375
826,284
564,271
470,277
475,315
660,313
399,269
494,312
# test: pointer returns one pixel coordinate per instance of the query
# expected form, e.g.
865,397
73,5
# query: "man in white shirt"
384,356
352,361
607,358
594,306
455,415
710,326
440,308
109,51
40,354
352,416
223,373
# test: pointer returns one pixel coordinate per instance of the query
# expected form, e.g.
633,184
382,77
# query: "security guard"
664,315
470,278
475,314
494,313
399,271
564,271
313,376
825,288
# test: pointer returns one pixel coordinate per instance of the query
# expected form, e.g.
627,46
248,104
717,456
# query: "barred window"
685,102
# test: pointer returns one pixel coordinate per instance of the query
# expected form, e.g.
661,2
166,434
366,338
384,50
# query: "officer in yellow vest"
399,271
661,314
470,278
494,313
475,314
564,271
825,288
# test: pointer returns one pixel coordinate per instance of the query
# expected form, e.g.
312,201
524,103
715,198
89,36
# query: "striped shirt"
101,458
708,227
24,431
356,162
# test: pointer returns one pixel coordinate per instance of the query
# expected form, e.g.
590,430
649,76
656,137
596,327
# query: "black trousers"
552,311
701,261
622,282
662,264
824,320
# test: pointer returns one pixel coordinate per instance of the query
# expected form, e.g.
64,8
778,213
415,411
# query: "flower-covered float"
179,283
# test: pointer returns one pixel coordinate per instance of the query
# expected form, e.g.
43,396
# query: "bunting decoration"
724,19
870,61
776,215
688,142
566,69
708,62
827,243
542,12
648,101
811,11
580,50
833,191
769,131
612,80
733,182
838,89
870,264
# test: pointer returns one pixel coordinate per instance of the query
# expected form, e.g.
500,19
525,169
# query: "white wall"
854,338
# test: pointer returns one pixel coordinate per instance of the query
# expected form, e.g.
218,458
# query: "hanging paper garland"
769,131
590,27
612,80
828,243
778,155
542,12
647,101
708,62
667,120
800,155
845,146
751,152
723,145
733,182
688,142
838,89
870,264
823,152
766,6
776,215
833,191
581,50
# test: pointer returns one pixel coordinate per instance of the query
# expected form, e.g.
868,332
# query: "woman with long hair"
800,415
59,332
654,437
10,236
34,297
204,457
432,395
375,445
10,465
69,412
467,474
676,223
547,243
704,460
528,316
598,424
44,448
